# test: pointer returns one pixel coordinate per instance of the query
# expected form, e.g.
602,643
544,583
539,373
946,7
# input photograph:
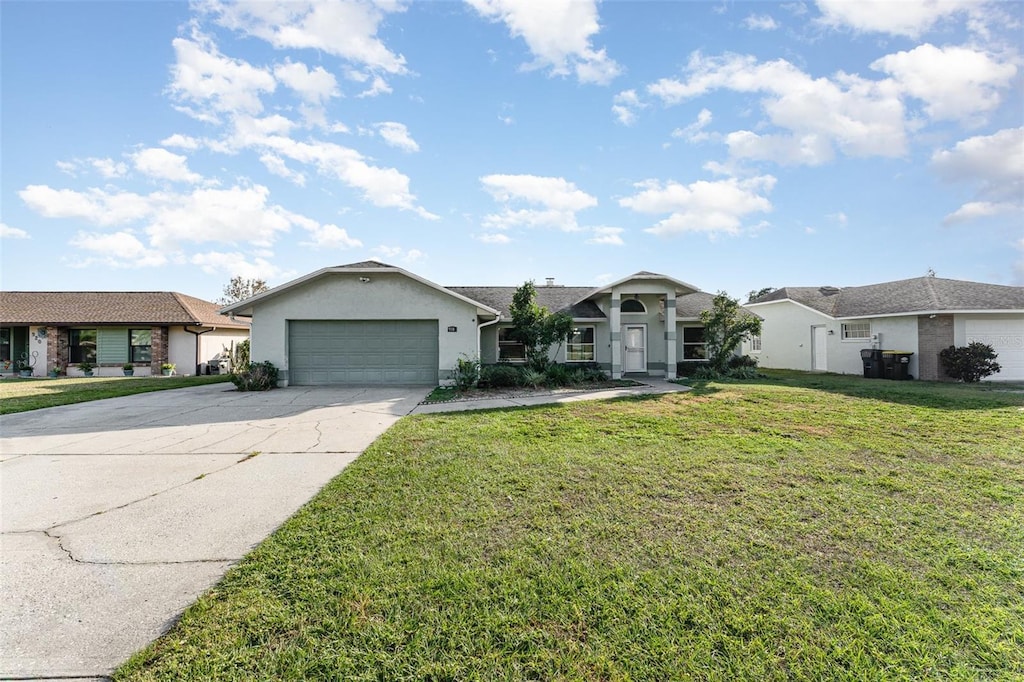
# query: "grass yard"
22,395
798,527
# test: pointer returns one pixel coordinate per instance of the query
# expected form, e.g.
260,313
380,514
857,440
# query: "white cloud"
234,263
994,163
161,164
606,235
556,193
904,18
954,82
702,206
315,86
170,219
379,86
331,237
975,210
119,249
398,253
204,77
109,168
558,33
67,167
96,206
8,232
495,238
397,135
695,131
553,202
344,29
181,142
816,115
760,22
625,106
276,165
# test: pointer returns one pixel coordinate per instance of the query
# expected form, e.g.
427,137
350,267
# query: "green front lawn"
22,395
800,527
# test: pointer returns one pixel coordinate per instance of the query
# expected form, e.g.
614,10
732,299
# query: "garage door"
362,352
1007,339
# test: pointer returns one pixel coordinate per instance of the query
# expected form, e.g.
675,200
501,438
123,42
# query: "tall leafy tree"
241,288
726,326
535,327
754,295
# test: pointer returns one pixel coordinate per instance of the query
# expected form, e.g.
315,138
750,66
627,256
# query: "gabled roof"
110,307
681,287
904,297
557,299
370,266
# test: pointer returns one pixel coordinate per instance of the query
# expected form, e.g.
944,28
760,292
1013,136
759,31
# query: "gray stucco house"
374,323
825,328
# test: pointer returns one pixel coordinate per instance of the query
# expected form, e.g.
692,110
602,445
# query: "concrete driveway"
117,514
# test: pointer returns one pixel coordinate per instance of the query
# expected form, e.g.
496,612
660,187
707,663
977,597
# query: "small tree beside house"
535,327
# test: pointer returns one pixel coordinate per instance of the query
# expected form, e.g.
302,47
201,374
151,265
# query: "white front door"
819,357
634,348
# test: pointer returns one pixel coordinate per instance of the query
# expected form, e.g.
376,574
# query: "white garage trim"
1007,339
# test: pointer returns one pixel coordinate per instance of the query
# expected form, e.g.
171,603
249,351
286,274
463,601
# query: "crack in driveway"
88,562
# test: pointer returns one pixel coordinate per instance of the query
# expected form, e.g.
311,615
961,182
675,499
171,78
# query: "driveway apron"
117,514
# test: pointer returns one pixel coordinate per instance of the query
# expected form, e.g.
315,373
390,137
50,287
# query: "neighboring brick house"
825,328
111,328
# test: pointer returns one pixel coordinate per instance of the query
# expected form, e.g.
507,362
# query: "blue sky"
732,145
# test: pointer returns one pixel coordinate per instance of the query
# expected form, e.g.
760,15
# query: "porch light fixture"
364,280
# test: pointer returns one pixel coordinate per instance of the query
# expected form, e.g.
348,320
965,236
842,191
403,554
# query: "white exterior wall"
786,336
182,347
37,350
181,351
341,296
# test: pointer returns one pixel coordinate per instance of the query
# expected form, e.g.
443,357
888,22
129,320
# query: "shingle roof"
110,307
365,264
921,294
556,299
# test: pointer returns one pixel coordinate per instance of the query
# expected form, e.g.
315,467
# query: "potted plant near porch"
55,371
167,369
86,367
128,369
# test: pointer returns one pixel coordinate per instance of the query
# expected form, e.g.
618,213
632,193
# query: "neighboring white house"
825,328
375,323
108,329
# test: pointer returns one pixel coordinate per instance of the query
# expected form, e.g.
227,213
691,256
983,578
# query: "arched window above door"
632,305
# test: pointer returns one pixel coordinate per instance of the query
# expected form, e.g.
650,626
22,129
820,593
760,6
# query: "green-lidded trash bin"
872,359
896,364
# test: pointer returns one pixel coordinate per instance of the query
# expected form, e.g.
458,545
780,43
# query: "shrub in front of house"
258,376
501,376
970,363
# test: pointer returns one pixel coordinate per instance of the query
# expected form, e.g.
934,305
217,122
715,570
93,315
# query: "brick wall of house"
56,347
933,334
158,351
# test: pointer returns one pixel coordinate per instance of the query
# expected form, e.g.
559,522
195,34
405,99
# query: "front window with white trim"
632,305
579,346
854,331
509,348
755,344
693,343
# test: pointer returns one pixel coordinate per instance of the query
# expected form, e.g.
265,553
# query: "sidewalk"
650,386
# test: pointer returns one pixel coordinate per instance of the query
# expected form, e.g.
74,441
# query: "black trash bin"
872,359
896,365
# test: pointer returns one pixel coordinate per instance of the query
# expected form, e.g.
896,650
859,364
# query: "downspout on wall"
198,334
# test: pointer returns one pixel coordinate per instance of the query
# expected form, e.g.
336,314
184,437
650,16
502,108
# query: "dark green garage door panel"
362,352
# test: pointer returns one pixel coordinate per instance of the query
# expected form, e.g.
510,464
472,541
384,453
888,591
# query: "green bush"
688,368
556,375
467,373
259,376
532,377
500,376
738,361
970,363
